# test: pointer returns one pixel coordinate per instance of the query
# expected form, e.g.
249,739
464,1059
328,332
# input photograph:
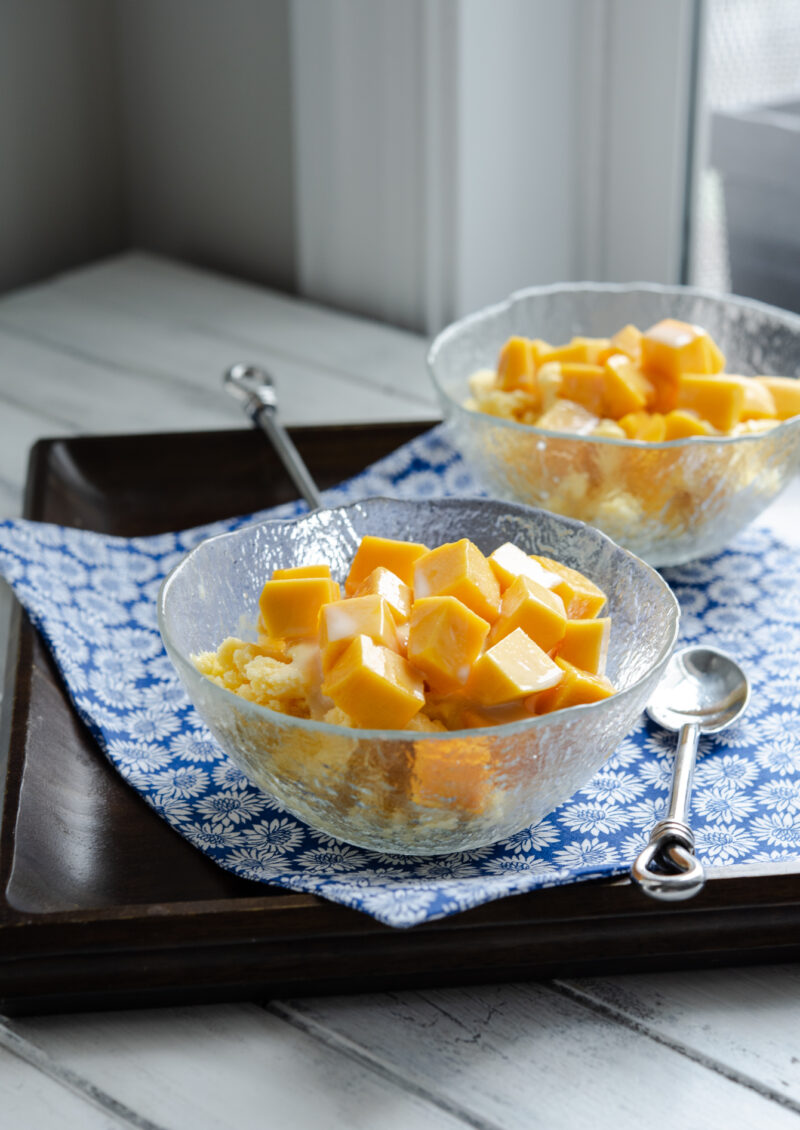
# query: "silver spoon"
702,692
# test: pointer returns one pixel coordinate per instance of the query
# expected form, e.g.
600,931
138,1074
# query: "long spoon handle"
255,390
667,869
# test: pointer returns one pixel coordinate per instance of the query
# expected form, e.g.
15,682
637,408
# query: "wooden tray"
104,905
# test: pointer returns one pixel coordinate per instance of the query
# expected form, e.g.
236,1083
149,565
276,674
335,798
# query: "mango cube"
719,400
396,593
585,644
626,388
516,366
671,348
444,640
681,423
584,384
396,556
459,569
583,600
510,670
375,686
628,340
290,608
509,562
649,426
759,403
576,688
785,394
578,349
452,773
342,621
300,571
539,612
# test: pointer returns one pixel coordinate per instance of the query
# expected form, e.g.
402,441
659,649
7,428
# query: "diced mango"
396,556
444,640
510,670
718,399
671,348
290,609
626,388
300,571
628,340
648,426
509,562
530,606
785,393
585,644
573,351
342,621
516,367
459,569
759,403
567,416
397,594
681,423
375,686
584,384
583,600
576,688
452,773
594,348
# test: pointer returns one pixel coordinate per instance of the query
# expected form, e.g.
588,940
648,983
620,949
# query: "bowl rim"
181,660
452,330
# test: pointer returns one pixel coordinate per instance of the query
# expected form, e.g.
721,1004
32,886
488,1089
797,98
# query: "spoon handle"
667,868
254,388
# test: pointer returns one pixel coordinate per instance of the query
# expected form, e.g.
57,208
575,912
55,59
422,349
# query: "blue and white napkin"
93,598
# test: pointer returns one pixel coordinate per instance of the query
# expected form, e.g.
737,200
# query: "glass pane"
747,229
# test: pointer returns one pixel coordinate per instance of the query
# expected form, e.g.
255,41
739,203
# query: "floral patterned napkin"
93,598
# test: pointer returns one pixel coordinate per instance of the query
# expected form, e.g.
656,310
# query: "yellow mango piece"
397,594
342,621
567,416
512,669
671,348
583,600
452,773
681,423
540,350
516,366
290,609
530,606
459,569
759,403
626,388
300,571
444,640
648,426
584,350
584,384
717,399
594,348
509,562
375,686
610,429
396,556
576,688
585,644
628,340
785,394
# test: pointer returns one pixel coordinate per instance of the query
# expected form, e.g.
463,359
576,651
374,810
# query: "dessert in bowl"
667,499
403,790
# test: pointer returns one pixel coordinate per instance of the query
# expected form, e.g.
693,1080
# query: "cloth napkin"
93,598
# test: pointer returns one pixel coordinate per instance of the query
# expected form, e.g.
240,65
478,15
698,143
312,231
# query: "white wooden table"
136,344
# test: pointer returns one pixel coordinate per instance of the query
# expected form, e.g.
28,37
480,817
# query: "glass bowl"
359,785
668,502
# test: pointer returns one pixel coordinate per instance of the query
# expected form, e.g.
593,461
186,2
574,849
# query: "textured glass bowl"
355,784
667,502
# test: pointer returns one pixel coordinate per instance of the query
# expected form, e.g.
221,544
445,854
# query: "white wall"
207,128
60,198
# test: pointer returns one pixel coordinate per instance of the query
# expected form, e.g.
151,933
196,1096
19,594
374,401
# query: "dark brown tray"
104,905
